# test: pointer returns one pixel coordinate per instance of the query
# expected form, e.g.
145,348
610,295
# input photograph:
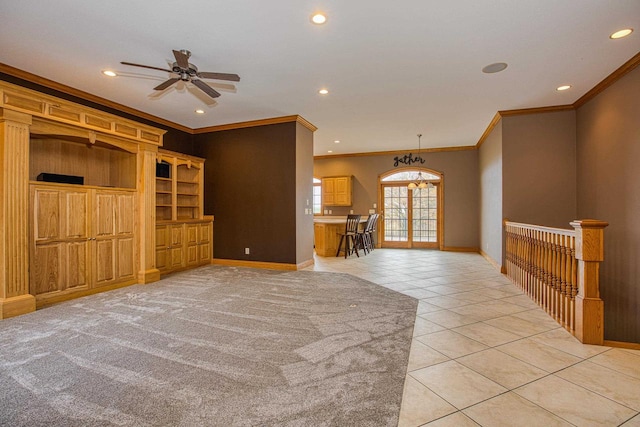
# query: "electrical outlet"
330,211
351,211
326,212
246,251
372,211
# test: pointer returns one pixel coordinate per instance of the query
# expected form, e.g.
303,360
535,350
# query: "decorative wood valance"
36,104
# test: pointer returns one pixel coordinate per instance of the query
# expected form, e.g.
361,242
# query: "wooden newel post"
589,309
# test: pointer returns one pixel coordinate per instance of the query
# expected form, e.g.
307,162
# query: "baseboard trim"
493,262
460,249
622,344
47,300
148,276
15,306
305,264
261,264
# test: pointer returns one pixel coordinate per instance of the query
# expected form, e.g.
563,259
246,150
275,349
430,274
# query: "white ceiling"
393,69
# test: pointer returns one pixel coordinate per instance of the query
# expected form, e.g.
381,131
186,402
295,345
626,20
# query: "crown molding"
608,81
536,110
492,124
394,152
520,112
261,122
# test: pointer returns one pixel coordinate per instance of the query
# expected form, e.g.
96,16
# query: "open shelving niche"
183,233
179,187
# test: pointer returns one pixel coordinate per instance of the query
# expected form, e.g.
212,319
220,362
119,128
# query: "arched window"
411,175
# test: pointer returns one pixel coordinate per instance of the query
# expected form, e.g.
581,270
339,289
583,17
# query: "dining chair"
365,237
350,236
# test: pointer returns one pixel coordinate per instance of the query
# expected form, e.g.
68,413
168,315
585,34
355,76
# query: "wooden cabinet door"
104,232
328,191
205,239
114,234
125,236
204,233
343,191
76,235
176,251
191,255
163,243
60,243
204,253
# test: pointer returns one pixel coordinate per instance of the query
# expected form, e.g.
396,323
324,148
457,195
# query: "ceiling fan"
188,72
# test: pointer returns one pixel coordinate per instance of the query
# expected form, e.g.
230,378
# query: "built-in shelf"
181,191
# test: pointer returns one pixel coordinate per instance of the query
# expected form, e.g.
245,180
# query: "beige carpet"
212,346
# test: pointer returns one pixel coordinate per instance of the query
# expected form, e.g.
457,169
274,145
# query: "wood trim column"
589,309
147,158
14,215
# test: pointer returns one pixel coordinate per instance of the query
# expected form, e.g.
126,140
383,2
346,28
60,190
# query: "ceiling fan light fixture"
621,33
109,73
187,72
318,18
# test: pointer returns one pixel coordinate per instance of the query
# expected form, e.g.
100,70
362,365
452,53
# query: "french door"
410,216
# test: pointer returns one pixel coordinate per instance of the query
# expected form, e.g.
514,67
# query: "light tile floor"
484,354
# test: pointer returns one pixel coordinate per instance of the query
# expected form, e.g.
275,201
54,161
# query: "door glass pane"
396,214
425,219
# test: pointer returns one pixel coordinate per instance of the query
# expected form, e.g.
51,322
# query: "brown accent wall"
460,169
539,168
250,187
490,171
608,140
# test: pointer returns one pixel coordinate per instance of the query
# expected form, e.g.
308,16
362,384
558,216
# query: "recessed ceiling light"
330,151
109,73
494,68
199,111
318,18
337,141
563,87
622,33
323,91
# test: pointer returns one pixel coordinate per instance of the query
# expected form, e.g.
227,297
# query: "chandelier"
420,182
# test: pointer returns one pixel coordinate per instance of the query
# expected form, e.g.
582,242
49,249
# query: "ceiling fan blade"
219,76
181,59
166,84
206,88
146,66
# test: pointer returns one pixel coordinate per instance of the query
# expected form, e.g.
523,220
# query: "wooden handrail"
558,269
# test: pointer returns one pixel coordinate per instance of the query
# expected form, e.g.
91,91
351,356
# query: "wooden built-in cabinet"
179,196
78,200
337,191
181,245
184,236
82,238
